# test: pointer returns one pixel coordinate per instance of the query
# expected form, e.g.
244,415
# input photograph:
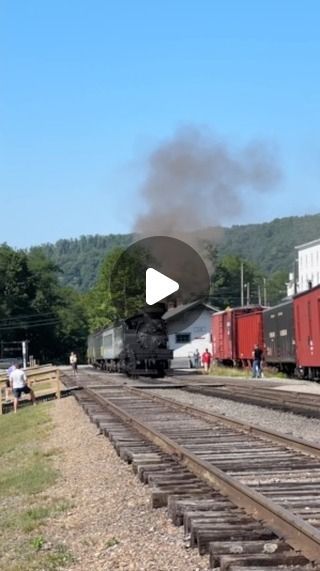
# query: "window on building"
183,337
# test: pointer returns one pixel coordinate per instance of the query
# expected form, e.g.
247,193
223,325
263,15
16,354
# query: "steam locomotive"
135,346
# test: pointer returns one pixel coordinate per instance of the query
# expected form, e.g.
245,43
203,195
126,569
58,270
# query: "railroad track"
247,496
296,402
249,392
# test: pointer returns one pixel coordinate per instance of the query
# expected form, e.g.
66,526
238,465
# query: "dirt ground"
111,525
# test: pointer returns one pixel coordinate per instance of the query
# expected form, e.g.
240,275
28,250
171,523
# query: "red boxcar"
306,306
225,339
222,335
249,333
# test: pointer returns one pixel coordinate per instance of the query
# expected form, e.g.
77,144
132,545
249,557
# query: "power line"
26,325
27,316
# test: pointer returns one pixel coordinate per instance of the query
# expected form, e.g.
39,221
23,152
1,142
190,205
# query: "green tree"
72,328
120,289
16,283
276,287
226,282
35,307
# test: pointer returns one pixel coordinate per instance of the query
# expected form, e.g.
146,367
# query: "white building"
308,261
291,287
185,340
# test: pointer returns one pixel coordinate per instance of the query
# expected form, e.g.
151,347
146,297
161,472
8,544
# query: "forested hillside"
270,245
80,259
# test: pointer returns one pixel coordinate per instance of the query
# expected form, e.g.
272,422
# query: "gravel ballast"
111,525
286,422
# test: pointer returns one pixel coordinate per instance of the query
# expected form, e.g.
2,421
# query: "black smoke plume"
195,181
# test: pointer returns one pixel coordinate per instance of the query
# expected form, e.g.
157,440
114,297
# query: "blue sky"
88,89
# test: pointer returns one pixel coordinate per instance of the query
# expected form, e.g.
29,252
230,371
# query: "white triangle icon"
158,286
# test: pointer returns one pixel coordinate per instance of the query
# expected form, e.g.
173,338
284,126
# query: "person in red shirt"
206,360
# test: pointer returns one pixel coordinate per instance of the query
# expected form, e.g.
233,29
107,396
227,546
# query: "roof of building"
307,244
174,311
242,308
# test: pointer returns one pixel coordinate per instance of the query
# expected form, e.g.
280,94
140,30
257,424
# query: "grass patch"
26,469
37,542
231,372
112,542
52,452
60,557
38,558
275,374
30,476
34,517
30,424
27,520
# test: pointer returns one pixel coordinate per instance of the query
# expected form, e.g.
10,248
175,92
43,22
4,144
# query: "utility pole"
25,353
248,293
296,275
241,286
259,295
265,292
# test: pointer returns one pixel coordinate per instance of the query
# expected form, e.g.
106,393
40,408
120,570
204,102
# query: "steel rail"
296,532
287,397
265,401
295,443
261,397
243,385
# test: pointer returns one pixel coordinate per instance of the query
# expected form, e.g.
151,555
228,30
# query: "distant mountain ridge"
269,244
79,259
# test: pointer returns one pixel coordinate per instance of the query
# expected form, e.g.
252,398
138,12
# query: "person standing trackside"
206,360
9,371
74,362
257,354
18,382
196,359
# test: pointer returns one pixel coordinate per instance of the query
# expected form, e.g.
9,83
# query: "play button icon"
158,269
158,286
